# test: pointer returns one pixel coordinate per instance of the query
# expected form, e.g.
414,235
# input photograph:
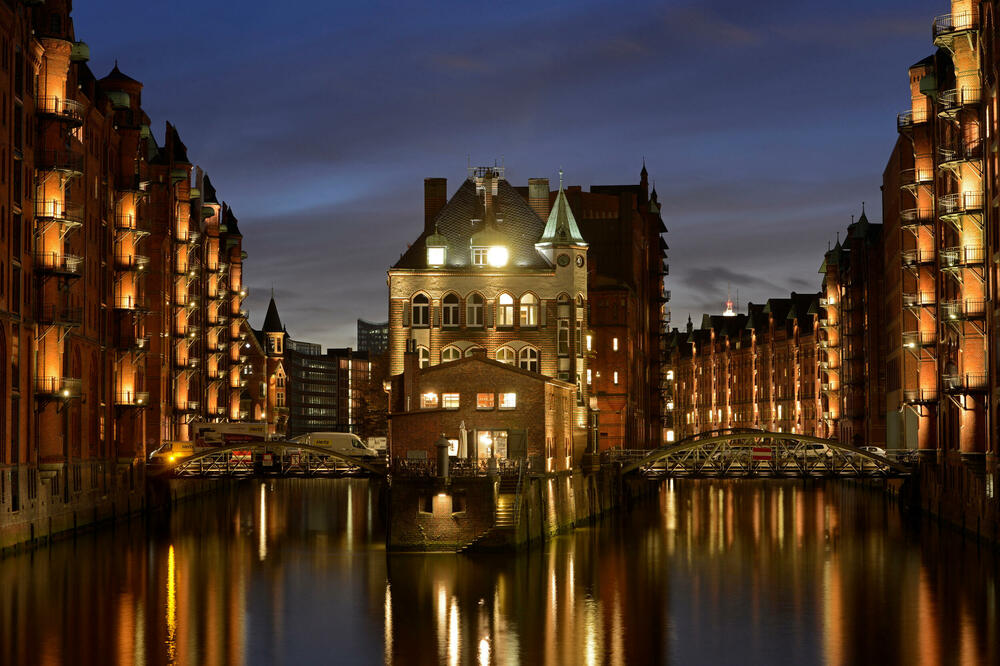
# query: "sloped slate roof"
516,220
272,322
561,226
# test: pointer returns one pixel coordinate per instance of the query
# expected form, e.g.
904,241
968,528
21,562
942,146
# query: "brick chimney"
435,197
538,196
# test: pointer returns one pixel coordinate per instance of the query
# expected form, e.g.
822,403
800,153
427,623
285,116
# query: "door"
517,446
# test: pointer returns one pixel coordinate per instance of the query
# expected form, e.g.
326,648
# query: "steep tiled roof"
272,322
561,226
518,223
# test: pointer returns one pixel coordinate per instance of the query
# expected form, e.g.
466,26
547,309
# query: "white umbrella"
463,441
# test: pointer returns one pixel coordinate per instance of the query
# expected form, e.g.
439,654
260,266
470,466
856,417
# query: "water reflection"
709,572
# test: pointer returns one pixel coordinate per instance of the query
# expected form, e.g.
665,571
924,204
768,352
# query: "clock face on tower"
563,259
579,260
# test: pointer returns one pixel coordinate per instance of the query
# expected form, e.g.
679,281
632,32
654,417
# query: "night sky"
764,125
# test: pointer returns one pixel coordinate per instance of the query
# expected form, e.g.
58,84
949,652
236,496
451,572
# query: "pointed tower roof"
117,76
208,194
272,322
561,227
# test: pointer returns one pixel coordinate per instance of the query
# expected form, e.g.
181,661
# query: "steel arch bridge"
747,453
275,458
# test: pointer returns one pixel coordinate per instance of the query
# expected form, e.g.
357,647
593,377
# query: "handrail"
517,493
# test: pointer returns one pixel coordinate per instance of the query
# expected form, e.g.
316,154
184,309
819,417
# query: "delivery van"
341,442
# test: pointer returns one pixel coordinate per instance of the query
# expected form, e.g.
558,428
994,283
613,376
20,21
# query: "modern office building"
373,338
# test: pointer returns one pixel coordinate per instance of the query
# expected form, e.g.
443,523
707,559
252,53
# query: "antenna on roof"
862,207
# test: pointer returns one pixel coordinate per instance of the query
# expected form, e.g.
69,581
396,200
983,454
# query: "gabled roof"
230,222
178,149
208,192
482,358
561,228
516,221
272,322
116,76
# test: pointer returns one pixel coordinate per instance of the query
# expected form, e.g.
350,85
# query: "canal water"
295,572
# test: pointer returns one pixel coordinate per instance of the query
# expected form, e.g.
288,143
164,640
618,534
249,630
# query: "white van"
341,442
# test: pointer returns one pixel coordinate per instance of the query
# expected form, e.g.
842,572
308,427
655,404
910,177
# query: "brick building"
121,283
506,412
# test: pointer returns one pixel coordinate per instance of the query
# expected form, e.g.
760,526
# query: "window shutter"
542,307
406,314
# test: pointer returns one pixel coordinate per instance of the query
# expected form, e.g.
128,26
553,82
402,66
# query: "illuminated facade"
122,283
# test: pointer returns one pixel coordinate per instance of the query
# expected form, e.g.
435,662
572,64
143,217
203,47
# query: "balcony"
135,343
957,152
189,269
131,262
189,363
64,161
55,315
132,399
962,203
964,383
187,406
129,223
953,101
186,331
920,396
919,299
917,339
961,310
917,257
63,212
57,387
66,110
949,26
911,178
129,303
961,257
907,120
61,264
916,217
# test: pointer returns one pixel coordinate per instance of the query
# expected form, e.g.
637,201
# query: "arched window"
424,356
505,310
472,350
579,306
421,310
528,359
450,354
474,310
506,355
449,310
529,310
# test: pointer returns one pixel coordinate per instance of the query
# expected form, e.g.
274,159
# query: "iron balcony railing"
911,217
970,308
58,315
68,110
916,257
920,396
187,406
132,398
961,151
131,262
59,263
186,363
947,25
960,203
129,222
918,299
60,387
57,209
959,257
961,383
915,339
906,120
59,160
129,303
134,343
911,177
956,99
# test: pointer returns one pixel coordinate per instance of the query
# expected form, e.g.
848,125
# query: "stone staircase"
505,518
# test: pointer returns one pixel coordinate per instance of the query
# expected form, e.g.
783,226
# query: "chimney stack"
435,197
538,196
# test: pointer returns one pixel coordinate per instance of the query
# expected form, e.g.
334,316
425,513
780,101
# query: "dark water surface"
709,572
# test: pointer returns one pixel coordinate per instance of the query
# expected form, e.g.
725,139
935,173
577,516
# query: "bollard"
442,456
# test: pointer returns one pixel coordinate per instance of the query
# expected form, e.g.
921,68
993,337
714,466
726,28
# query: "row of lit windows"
526,359
526,312
484,401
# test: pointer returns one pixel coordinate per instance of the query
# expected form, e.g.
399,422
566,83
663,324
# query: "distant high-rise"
373,337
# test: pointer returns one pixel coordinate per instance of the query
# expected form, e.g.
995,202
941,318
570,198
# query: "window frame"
450,348
447,398
503,397
424,308
529,355
492,402
450,311
505,311
528,310
507,350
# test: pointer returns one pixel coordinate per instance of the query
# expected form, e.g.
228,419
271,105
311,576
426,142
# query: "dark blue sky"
764,124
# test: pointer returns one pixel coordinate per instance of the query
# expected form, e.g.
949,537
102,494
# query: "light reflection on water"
707,572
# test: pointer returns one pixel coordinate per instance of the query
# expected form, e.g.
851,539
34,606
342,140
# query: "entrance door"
517,445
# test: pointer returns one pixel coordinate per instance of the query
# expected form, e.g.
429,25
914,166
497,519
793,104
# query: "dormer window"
497,256
479,256
435,256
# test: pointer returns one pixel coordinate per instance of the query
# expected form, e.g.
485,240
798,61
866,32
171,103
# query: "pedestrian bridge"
748,453
274,458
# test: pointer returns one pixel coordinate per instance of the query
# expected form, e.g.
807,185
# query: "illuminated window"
590,377
452,447
449,310
506,355
579,337
616,377
435,256
505,310
423,356
449,400
450,354
472,350
479,256
670,435
280,399
614,344
421,310
528,359
670,374
508,400
497,256
474,310
529,310
485,400
563,337
590,341
428,400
